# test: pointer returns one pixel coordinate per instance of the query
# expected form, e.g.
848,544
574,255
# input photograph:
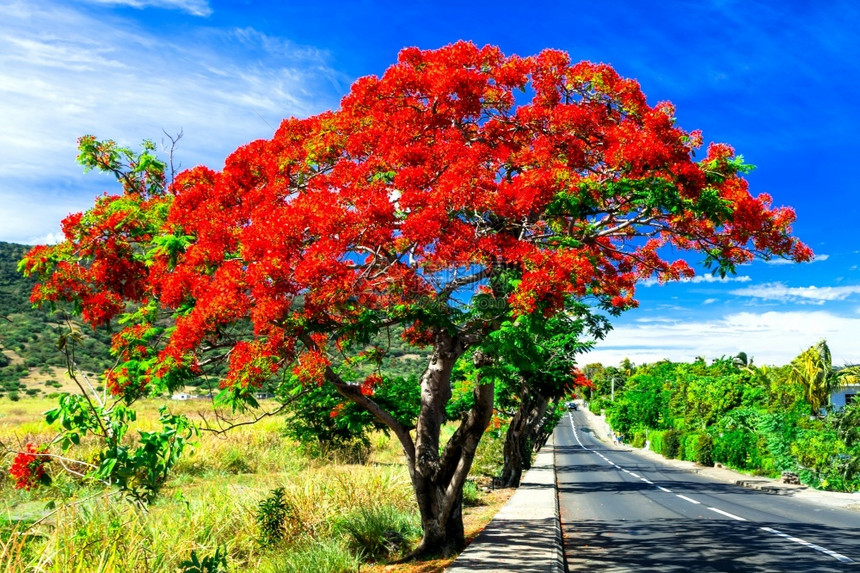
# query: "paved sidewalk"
525,535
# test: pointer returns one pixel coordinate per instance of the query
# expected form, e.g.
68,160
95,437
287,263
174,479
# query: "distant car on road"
570,405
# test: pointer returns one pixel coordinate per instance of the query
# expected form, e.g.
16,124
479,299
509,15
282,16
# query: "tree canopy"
461,188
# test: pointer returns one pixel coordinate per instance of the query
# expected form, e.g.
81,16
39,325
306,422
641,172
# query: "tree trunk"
438,479
523,433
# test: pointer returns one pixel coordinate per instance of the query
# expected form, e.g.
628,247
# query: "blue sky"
778,80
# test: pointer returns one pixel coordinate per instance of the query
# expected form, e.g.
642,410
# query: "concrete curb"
525,535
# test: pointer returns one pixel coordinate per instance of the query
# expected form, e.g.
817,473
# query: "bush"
490,455
639,439
271,517
597,405
737,448
689,447
671,443
704,450
656,439
379,531
215,563
470,494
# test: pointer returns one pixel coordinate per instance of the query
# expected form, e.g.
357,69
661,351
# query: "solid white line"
837,556
664,489
727,514
646,480
636,476
685,498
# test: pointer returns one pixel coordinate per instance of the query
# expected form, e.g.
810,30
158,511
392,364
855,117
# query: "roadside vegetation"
248,499
759,419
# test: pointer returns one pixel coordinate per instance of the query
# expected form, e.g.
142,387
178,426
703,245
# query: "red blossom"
28,467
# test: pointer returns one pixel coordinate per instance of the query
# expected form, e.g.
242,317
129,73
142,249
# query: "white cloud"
65,74
709,301
770,337
194,7
803,295
816,259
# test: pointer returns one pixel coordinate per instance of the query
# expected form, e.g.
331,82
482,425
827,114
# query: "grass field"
336,509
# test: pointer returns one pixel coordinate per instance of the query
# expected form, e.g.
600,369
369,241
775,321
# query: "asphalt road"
624,512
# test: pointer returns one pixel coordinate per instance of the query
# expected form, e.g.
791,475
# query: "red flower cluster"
455,167
28,467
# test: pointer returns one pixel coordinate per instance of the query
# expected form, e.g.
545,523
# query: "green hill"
30,362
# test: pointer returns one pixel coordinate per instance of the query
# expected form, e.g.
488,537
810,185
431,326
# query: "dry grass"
210,502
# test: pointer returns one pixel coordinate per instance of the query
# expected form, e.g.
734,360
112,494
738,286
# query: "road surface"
624,512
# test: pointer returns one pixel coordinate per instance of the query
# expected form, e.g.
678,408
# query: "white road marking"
634,475
685,498
648,481
664,489
727,514
837,556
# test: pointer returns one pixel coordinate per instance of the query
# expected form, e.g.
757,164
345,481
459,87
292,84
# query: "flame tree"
460,187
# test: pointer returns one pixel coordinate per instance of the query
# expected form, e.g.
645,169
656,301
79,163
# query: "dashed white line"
685,498
635,475
664,489
727,514
837,556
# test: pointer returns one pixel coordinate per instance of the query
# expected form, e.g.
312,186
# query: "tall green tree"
536,362
813,369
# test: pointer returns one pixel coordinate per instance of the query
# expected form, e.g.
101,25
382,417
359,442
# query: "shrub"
490,456
271,517
671,443
656,439
704,450
597,405
738,448
639,439
379,531
470,494
689,447
215,563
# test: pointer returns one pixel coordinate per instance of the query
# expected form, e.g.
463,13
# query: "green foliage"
704,450
378,532
643,404
597,405
672,445
322,419
655,439
470,494
750,418
31,335
489,457
271,516
214,563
